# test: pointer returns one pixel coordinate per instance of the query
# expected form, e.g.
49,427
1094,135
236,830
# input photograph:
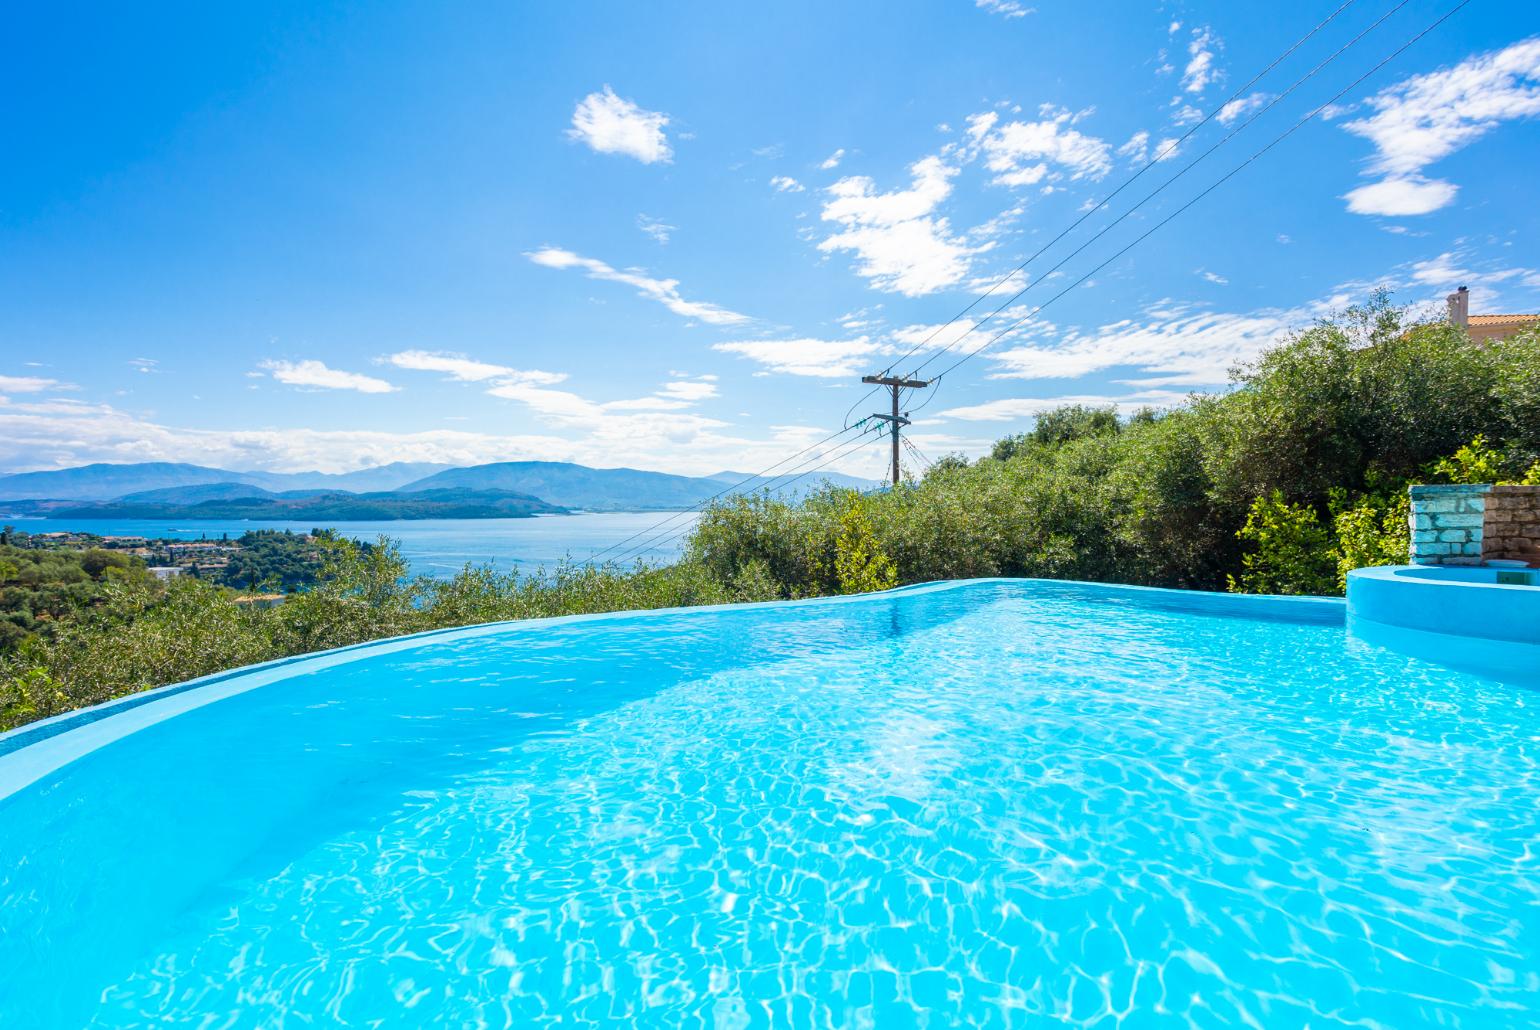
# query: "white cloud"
1178,342
1013,408
1427,117
827,359
1243,106
57,434
28,384
1214,277
1413,195
1201,70
691,390
660,231
786,184
612,125
564,408
899,246
316,375
1456,268
1005,8
833,160
469,370
664,291
1137,149
1186,114
1021,153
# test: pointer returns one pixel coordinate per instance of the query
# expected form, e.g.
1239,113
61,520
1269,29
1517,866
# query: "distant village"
163,558
267,563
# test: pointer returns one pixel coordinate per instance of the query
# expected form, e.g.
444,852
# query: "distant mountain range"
506,489
104,482
249,502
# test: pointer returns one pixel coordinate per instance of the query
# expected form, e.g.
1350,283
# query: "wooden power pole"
895,419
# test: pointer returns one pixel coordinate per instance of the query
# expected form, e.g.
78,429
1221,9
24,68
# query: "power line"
915,452
1104,230
860,439
669,536
1205,192
1210,116
724,492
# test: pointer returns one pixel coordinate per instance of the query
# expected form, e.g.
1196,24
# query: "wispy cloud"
1175,342
612,125
660,231
1425,118
1139,150
1239,108
1005,8
833,160
1010,409
316,375
1201,70
806,356
29,384
786,184
664,291
469,370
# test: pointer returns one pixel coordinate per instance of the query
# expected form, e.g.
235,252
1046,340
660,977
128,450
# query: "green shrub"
860,566
1372,532
1292,552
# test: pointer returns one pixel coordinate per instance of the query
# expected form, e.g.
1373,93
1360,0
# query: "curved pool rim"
1454,601
31,752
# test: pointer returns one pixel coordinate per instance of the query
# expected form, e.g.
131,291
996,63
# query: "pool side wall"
1404,596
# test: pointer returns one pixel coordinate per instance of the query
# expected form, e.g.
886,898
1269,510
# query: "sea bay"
441,547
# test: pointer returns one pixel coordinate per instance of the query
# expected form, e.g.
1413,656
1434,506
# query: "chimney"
1459,307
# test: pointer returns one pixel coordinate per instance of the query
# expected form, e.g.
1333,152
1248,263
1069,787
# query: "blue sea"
441,547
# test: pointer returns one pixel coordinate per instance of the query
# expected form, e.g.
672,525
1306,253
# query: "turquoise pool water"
997,804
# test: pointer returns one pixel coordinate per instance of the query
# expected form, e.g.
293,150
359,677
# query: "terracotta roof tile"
1502,319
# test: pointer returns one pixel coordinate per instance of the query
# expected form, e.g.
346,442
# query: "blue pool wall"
1460,616
1451,600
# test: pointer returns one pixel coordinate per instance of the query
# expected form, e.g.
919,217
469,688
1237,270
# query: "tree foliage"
1291,552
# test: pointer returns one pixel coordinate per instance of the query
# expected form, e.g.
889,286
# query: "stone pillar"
1447,523
1511,528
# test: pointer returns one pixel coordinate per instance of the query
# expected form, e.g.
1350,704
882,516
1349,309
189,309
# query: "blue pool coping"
30,752
1453,601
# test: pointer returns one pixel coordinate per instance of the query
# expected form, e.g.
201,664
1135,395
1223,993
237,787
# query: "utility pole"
895,419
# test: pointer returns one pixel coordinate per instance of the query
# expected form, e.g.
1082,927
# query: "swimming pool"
993,803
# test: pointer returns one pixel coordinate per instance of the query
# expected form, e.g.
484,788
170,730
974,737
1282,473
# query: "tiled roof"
1502,319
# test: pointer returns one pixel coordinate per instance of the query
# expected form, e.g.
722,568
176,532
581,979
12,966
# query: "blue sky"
673,236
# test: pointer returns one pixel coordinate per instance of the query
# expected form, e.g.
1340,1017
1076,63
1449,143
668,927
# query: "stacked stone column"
1511,528
1469,524
1447,524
